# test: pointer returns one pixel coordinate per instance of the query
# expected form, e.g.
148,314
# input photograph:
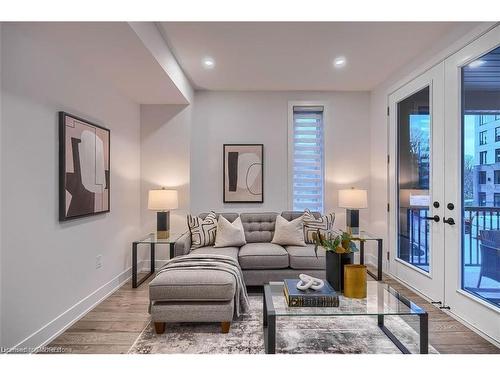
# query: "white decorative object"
309,282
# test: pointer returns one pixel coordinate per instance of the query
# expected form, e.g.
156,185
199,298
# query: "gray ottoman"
192,295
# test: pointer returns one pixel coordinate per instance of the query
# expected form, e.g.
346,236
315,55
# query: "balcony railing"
475,220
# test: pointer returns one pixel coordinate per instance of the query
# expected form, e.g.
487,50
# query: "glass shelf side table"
153,240
363,237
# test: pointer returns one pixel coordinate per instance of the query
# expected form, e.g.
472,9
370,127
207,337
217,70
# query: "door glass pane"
413,179
481,177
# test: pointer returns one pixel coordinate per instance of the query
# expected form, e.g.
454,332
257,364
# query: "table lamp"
352,200
162,200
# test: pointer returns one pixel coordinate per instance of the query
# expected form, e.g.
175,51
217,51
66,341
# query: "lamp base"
352,221
163,224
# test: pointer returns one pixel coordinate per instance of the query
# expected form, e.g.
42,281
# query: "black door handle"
449,221
435,218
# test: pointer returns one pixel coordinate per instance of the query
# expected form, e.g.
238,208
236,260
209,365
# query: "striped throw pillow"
312,225
202,230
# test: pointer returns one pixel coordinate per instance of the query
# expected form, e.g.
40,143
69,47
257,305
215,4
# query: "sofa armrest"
183,245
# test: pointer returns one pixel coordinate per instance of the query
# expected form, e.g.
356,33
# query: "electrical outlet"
98,261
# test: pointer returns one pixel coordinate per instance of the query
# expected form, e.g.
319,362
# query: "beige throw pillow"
229,234
289,233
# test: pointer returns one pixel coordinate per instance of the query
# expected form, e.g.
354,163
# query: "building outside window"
497,134
497,155
483,137
497,178
483,157
496,199
484,119
482,199
482,177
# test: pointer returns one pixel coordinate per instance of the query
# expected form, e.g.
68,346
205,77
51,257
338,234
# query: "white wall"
262,117
47,267
165,145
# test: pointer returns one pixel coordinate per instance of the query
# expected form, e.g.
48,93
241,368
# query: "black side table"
362,237
152,240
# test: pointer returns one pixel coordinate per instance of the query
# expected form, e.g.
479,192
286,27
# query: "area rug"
342,335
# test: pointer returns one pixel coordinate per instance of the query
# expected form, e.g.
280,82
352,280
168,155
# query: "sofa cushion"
231,216
304,258
210,250
253,256
259,227
192,285
290,215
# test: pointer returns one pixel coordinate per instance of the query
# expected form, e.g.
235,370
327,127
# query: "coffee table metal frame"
269,321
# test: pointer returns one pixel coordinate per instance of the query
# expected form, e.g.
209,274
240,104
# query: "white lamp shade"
162,199
353,198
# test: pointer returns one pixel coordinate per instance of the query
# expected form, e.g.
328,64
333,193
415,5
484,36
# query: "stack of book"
325,297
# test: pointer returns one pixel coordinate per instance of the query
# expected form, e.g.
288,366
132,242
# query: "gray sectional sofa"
261,260
192,295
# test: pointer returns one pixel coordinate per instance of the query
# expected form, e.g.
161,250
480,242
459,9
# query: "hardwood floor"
113,326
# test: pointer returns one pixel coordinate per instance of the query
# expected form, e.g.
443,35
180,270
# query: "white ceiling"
298,56
112,51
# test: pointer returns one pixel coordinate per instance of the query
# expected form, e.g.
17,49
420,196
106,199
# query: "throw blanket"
214,262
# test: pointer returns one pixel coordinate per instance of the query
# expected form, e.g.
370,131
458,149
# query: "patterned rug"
341,335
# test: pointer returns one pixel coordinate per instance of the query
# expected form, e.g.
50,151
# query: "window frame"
496,173
495,201
482,181
483,137
305,103
481,161
479,199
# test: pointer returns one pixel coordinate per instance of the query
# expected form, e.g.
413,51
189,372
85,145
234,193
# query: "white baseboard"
61,323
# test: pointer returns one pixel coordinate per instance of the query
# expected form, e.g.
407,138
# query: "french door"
444,174
417,185
472,183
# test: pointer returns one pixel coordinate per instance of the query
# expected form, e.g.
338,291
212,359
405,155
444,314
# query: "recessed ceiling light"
208,63
476,63
339,62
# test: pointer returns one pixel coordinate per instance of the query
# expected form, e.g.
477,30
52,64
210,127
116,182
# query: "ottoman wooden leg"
225,327
159,327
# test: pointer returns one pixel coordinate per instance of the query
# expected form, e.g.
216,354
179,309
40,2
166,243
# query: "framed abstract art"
84,168
243,176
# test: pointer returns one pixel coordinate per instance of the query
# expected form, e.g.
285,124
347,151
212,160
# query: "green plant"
338,243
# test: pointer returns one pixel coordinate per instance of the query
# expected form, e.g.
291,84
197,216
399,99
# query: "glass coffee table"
381,301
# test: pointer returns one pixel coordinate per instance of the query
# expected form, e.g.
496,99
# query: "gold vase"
355,281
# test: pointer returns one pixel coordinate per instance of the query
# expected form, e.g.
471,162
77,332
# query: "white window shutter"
308,158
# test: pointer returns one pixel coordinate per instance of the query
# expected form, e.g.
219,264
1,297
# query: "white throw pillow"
229,234
289,233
